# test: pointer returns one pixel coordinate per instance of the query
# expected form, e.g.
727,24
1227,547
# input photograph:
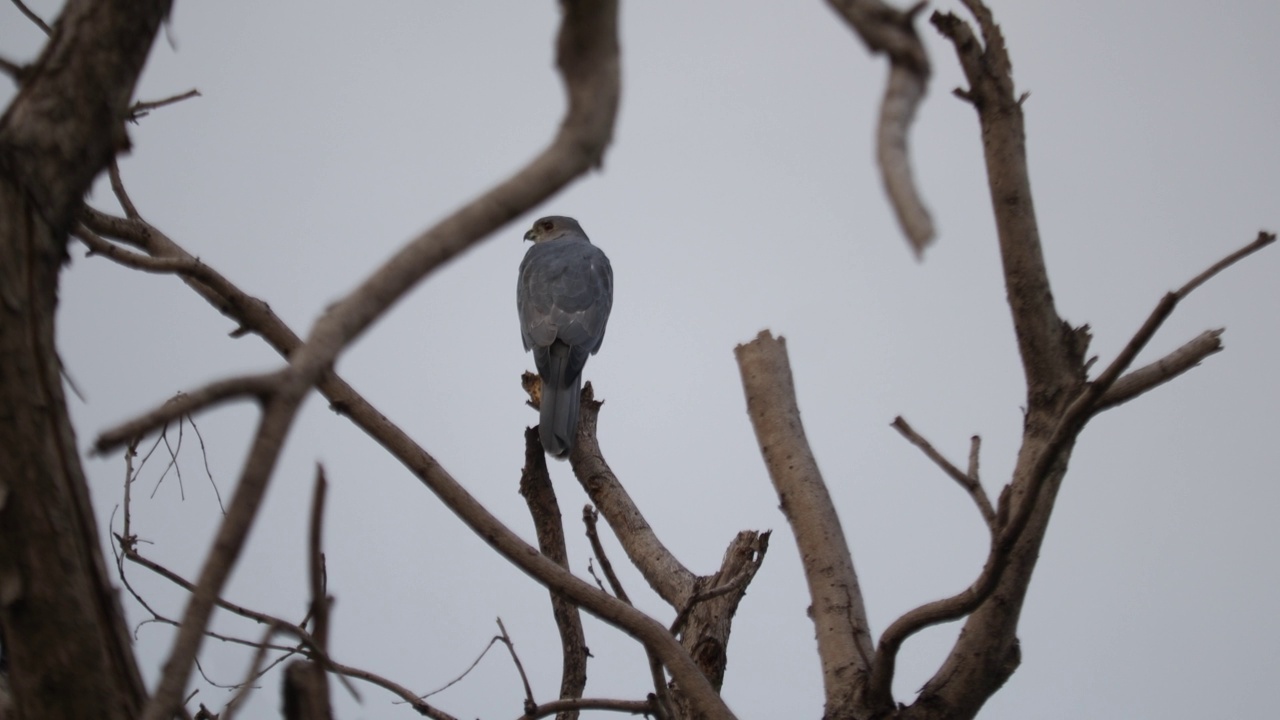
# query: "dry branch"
65,638
885,29
661,569
968,481
839,618
540,495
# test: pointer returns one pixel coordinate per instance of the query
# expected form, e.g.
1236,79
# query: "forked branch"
1069,424
968,481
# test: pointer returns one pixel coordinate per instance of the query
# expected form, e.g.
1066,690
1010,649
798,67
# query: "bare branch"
404,693
306,683
122,195
524,679
40,23
884,29
255,386
492,641
255,670
839,618
968,481
589,516
1161,312
661,569
141,109
662,699
633,707
1050,351
1138,381
540,495
975,446
903,94
13,70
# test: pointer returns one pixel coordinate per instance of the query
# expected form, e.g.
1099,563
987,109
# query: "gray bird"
563,295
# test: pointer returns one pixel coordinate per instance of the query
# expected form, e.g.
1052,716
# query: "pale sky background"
740,194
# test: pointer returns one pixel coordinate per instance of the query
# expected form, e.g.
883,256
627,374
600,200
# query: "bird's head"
552,227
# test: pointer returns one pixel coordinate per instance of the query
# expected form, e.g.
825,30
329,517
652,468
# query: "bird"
563,295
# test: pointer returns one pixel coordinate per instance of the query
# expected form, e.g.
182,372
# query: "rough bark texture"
838,614
538,492
69,650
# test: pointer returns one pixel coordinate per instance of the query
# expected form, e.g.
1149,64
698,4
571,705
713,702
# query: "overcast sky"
740,194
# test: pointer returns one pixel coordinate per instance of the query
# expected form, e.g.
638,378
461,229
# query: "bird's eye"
545,225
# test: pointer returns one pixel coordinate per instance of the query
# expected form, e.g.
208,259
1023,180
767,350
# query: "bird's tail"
558,416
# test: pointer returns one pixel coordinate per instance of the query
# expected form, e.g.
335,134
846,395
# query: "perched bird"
563,295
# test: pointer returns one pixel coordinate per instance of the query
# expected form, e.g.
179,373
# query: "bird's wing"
565,293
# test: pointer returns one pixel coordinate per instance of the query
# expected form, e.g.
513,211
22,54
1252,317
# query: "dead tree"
64,632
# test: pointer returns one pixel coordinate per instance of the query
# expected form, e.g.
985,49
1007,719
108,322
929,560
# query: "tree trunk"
67,645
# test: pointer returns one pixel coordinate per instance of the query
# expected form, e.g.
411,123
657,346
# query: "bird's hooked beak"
531,236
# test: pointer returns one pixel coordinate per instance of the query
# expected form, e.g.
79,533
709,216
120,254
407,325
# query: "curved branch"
885,29
839,618
903,93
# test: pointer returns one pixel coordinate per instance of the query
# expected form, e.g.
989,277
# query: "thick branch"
1051,353
64,634
839,618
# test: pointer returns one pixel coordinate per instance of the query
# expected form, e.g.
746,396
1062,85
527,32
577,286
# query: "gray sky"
740,194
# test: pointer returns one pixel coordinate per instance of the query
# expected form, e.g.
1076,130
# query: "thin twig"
122,195
204,455
492,641
662,705
405,694
256,386
524,679
40,23
975,447
229,712
589,518
141,109
968,481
